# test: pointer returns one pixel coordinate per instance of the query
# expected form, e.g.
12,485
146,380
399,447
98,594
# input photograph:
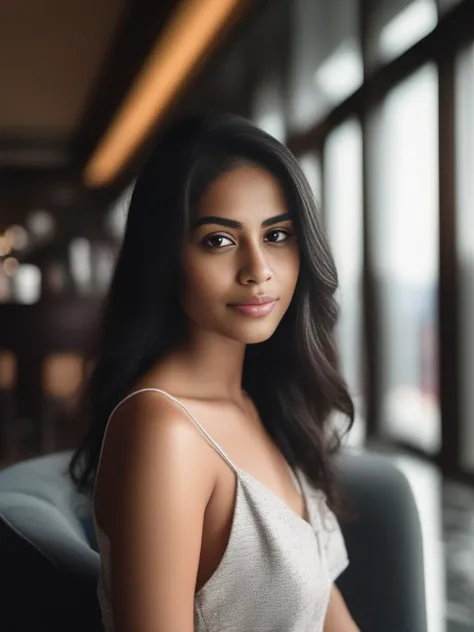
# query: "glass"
396,25
268,107
325,60
465,245
311,165
344,226
403,158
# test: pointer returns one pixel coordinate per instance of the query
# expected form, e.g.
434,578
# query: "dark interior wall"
32,332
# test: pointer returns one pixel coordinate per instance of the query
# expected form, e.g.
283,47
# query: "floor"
458,530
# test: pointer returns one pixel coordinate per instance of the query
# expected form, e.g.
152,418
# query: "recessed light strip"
190,33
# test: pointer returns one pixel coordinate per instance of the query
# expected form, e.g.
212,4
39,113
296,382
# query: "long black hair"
293,377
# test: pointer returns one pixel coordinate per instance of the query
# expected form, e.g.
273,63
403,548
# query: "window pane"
465,245
268,108
311,165
403,150
396,25
343,214
326,62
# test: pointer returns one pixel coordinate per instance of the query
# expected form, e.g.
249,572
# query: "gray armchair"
49,563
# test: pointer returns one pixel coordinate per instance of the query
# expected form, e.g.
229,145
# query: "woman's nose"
255,266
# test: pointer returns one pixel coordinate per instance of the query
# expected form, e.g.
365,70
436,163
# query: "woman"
208,454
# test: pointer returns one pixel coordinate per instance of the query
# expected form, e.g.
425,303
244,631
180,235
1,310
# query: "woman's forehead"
246,189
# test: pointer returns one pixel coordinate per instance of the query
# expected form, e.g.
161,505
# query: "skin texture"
161,557
230,269
338,617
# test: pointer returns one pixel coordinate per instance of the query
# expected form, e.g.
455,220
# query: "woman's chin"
255,334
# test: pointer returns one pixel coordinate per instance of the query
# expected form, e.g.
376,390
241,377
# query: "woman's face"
230,256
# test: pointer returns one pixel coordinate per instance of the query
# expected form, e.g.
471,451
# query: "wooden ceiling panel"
51,52
65,67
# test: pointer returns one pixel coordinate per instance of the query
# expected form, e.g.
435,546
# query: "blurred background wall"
374,97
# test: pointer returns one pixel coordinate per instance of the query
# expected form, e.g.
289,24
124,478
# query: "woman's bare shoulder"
152,437
154,485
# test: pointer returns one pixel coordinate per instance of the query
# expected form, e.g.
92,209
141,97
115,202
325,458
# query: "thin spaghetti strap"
294,476
205,433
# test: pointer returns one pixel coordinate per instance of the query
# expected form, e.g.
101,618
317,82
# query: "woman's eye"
214,242
282,232
214,238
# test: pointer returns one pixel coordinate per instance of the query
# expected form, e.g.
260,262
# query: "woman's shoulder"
148,442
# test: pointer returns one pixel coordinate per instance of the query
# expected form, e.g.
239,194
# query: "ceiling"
51,54
65,68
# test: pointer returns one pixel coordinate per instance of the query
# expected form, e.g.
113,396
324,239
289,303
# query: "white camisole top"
277,570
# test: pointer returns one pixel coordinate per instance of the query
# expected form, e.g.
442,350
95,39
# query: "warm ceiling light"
190,33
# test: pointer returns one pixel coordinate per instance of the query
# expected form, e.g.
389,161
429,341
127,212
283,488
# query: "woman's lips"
255,310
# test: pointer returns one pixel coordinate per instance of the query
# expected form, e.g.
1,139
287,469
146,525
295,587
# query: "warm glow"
8,369
5,246
62,374
17,236
10,266
190,33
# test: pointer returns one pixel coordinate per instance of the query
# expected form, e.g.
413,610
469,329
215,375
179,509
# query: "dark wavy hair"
293,377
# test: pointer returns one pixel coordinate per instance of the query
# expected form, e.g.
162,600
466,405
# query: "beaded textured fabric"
277,570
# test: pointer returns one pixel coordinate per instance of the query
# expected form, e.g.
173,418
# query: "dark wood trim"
449,396
27,153
370,334
286,52
321,153
24,189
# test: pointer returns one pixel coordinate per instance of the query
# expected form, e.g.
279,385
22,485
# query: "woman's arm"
153,490
338,618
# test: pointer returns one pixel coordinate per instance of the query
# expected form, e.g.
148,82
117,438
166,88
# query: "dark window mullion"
370,334
448,378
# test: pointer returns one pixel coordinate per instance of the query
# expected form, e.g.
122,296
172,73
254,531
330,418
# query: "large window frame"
455,29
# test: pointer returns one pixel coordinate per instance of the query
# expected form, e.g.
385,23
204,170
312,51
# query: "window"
268,108
403,151
396,25
311,165
326,62
465,245
343,219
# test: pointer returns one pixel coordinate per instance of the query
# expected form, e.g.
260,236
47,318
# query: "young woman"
209,454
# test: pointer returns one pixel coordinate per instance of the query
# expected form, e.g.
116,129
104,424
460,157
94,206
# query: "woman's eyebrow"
231,223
